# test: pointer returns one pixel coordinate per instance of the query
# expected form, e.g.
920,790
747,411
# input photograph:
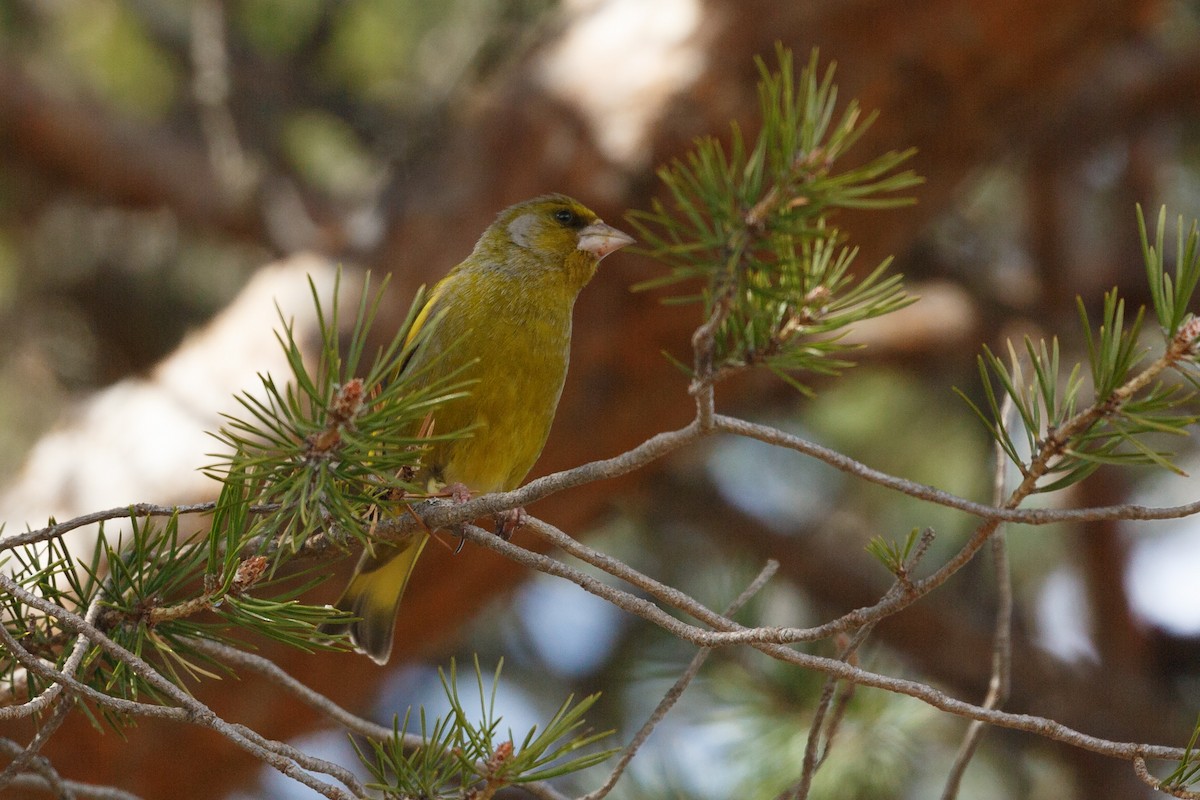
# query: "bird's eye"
567,217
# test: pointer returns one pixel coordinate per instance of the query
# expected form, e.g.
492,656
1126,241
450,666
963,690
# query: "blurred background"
168,169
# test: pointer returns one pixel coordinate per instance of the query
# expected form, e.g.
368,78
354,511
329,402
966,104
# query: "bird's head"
555,232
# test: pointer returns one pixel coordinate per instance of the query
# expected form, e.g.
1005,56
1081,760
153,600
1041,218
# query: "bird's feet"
508,522
457,492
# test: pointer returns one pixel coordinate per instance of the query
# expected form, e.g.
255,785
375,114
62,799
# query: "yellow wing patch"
423,315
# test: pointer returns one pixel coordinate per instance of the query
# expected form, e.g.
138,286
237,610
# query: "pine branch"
751,226
775,643
677,689
328,458
185,708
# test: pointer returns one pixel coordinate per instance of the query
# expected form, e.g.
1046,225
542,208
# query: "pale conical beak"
600,239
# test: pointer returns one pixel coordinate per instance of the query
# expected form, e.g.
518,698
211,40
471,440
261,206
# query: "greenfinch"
502,321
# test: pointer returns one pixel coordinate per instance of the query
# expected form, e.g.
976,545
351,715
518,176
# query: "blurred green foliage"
106,46
277,27
325,151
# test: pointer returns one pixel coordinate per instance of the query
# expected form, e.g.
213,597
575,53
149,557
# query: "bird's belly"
509,411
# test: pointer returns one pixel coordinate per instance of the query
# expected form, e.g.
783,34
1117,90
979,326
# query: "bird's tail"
374,596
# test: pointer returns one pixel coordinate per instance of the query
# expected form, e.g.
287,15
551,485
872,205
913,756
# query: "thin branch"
46,670
724,633
845,695
311,698
999,683
29,753
39,770
299,758
703,345
70,666
58,529
814,755
767,641
66,788
277,754
1022,516
676,691
1139,769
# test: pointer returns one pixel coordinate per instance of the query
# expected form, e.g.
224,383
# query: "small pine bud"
248,573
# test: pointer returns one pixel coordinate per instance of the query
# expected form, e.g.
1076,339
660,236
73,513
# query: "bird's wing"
425,312
418,324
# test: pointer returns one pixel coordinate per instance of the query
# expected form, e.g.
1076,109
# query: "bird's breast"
520,352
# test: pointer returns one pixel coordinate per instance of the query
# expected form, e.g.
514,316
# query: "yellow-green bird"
503,317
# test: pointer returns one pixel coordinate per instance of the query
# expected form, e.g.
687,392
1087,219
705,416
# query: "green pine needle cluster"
1187,772
157,590
48,570
322,455
309,459
465,755
749,226
1069,422
1171,296
342,439
894,555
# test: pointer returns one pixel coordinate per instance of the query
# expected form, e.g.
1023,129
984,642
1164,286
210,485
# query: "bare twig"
58,529
70,666
1139,769
47,670
315,700
703,346
29,753
768,641
282,757
998,685
38,769
814,754
71,789
1021,516
676,691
